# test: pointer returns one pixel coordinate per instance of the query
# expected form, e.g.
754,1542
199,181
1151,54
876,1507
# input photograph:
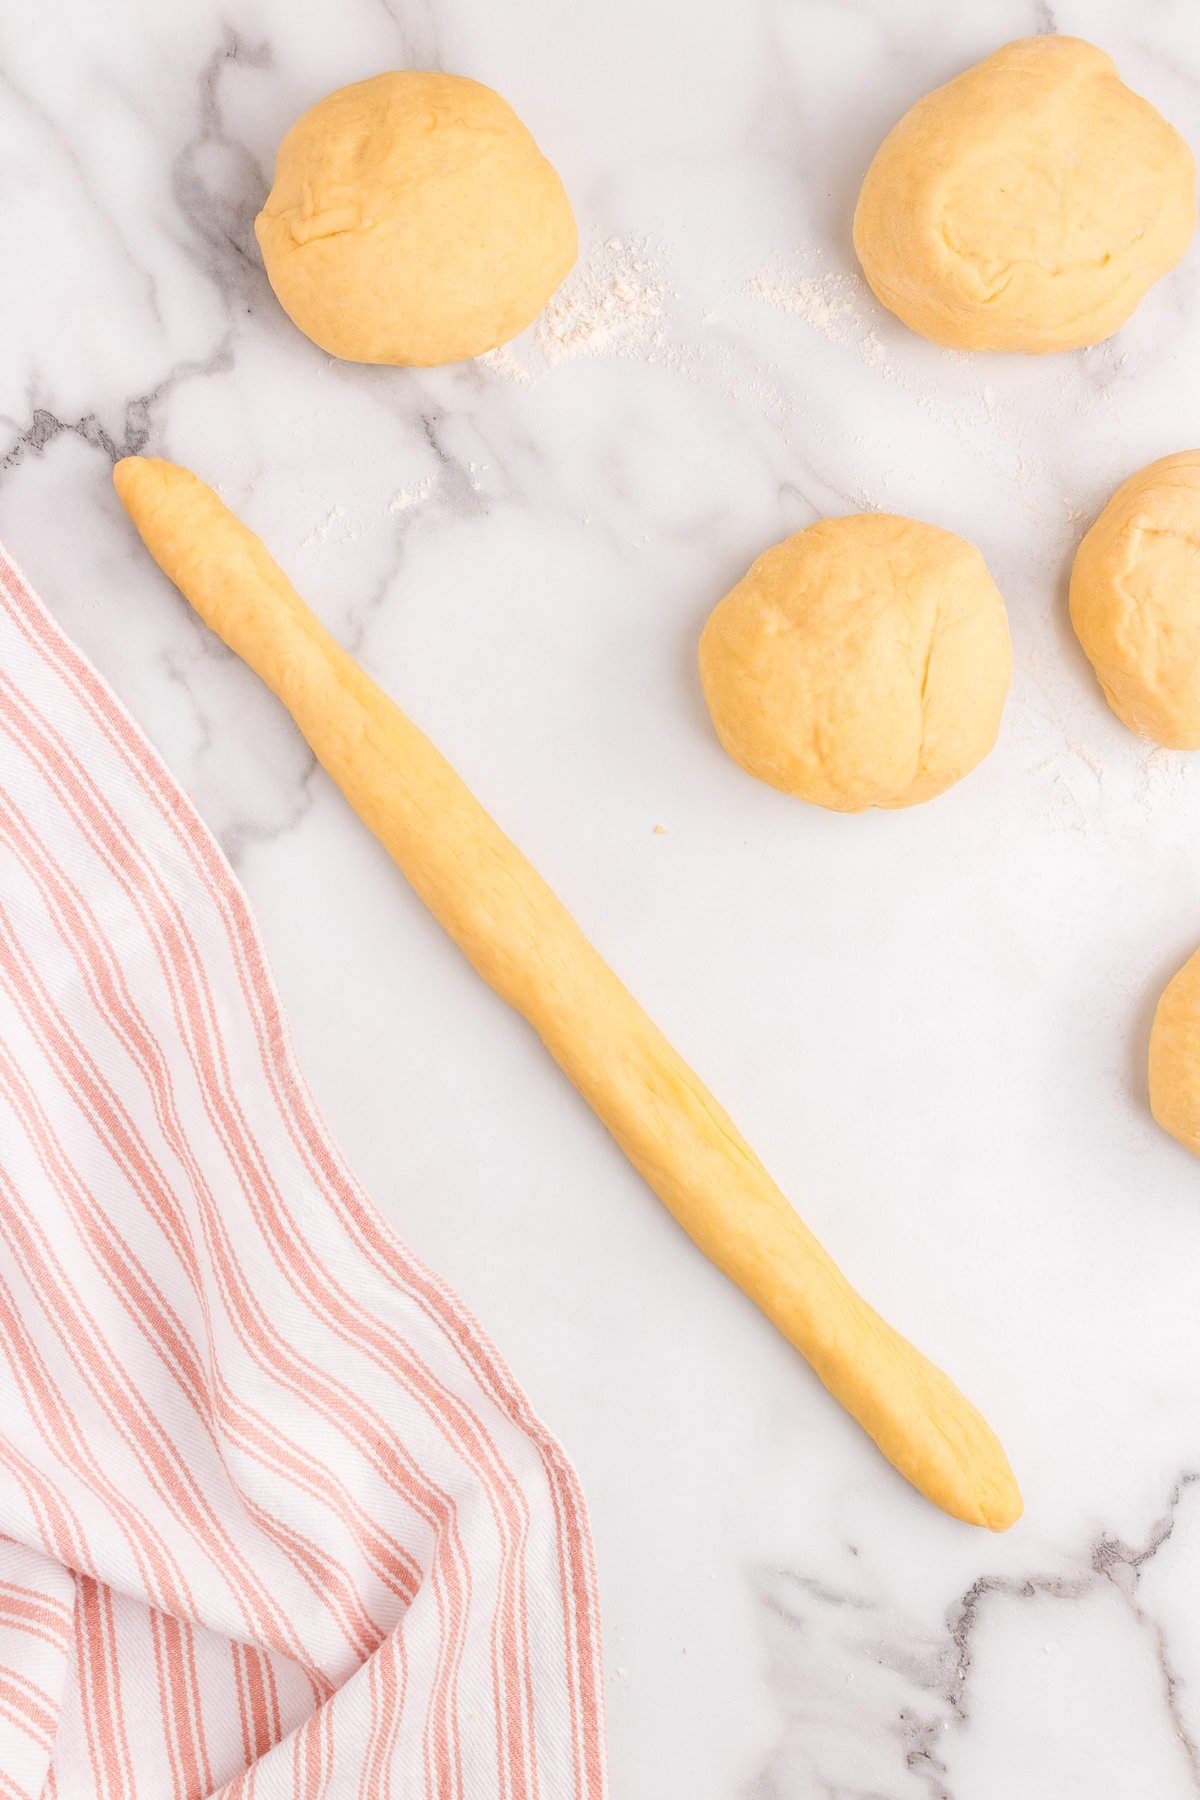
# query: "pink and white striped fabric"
275,1519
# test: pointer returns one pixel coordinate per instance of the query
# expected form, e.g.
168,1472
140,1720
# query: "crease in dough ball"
414,220
862,662
1175,1057
1027,205
1135,601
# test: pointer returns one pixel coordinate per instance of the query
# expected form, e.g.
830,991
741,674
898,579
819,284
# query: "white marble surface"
931,1024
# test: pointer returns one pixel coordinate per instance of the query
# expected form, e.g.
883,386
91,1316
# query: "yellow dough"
1027,205
524,943
1175,1057
863,662
414,220
1135,601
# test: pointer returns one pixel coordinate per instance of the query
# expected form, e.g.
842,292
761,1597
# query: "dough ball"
1135,601
863,662
1028,204
1175,1057
414,220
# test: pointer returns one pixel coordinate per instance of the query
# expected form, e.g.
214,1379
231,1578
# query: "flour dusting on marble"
611,306
823,301
405,498
504,362
333,528
834,302
1162,779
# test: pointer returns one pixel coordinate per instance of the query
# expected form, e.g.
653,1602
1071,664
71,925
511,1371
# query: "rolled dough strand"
526,945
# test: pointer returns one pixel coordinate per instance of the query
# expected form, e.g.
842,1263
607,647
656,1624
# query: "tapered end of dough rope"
964,1468
132,475
143,484
925,1426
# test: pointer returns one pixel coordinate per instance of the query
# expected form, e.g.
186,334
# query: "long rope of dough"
526,945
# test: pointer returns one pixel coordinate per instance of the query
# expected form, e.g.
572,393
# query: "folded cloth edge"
456,1320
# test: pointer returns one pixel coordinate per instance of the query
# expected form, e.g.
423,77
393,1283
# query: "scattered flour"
405,498
1162,779
1065,805
839,305
333,528
505,363
872,350
830,303
610,307
835,302
1082,754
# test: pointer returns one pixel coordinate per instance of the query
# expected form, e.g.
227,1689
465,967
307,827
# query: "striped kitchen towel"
275,1519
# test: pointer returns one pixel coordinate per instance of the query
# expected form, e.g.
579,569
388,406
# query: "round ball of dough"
1135,601
863,662
1028,204
1175,1057
414,220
